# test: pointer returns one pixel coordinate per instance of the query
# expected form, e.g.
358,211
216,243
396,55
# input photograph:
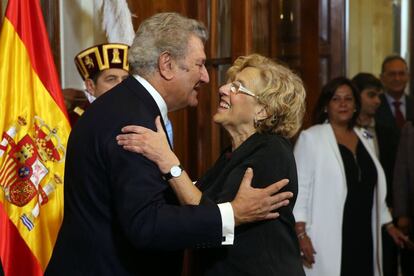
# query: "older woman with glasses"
261,107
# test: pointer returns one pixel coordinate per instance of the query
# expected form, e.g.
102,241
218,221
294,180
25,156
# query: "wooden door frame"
50,9
411,47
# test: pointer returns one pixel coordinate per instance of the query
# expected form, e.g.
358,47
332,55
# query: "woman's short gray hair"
280,91
162,32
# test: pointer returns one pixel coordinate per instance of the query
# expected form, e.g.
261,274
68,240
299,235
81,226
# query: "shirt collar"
162,105
390,99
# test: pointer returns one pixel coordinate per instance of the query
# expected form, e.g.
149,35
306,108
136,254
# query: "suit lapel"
329,136
138,90
409,108
384,114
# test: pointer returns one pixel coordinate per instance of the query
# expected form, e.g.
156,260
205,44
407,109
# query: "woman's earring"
325,110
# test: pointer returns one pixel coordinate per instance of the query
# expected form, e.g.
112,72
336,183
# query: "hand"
399,238
306,247
306,250
251,204
152,144
404,224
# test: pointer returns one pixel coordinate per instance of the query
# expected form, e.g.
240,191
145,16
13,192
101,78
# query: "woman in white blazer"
341,201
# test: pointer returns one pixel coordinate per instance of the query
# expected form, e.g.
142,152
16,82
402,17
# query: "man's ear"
90,87
165,65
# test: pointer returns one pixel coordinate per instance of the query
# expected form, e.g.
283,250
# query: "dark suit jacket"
404,174
263,248
388,138
120,216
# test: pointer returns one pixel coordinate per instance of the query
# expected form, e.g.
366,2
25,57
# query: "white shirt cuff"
227,219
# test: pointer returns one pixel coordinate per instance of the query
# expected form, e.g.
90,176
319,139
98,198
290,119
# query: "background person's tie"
399,117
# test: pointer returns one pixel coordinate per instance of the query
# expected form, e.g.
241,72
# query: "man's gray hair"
162,32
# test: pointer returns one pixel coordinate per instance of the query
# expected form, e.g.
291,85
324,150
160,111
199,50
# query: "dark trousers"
407,262
407,257
389,255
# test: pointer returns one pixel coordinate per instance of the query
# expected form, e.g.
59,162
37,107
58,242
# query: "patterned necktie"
169,129
399,117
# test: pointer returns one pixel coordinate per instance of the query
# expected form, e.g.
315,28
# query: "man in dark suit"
121,216
404,193
395,109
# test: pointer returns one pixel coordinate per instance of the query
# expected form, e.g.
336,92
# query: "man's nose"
204,75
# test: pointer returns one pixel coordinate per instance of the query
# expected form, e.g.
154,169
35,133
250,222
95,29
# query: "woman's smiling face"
342,106
237,108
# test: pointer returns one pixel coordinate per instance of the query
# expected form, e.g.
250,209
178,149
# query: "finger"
402,240
120,137
271,216
128,142
278,204
158,124
247,178
309,257
306,264
307,252
127,136
275,187
312,260
306,258
134,129
124,139
276,198
135,149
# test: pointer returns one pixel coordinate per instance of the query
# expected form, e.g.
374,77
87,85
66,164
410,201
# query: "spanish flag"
33,134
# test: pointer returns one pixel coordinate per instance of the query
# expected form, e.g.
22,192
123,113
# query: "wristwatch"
175,171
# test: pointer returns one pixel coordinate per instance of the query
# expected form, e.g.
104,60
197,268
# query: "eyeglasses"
237,87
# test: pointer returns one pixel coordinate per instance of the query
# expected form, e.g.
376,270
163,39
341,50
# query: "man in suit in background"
121,216
101,67
395,109
404,194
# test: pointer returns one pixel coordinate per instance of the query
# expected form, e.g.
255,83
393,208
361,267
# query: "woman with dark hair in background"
341,202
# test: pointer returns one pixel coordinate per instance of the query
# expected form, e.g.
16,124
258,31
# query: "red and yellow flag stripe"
33,134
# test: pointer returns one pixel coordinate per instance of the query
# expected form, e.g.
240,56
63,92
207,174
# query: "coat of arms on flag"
25,166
